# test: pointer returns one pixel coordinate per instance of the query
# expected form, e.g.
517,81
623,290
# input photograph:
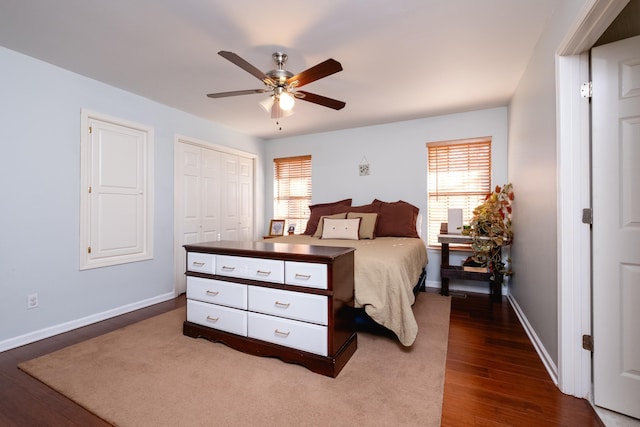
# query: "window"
459,177
292,190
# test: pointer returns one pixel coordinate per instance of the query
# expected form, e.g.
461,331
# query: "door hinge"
89,249
89,189
587,216
586,90
587,342
90,129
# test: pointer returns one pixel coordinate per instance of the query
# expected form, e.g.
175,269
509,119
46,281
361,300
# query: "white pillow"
341,229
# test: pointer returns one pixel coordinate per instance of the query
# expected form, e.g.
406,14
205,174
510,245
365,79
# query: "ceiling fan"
283,84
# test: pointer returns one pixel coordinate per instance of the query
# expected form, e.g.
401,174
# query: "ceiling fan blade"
324,69
320,100
247,67
236,93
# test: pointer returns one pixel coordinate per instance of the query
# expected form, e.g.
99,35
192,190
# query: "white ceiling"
402,59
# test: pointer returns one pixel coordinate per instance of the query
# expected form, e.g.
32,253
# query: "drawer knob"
263,273
282,334
198,263
283,304
212,293
213,319
303,276
225,268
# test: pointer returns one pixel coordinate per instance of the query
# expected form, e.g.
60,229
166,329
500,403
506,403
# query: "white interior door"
210,196
187,209
237,196
616,225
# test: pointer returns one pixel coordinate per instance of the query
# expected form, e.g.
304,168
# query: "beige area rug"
149,374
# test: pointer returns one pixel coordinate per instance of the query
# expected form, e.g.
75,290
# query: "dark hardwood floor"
493,376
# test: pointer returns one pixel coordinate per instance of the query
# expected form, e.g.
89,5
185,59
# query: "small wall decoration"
363,167
276,228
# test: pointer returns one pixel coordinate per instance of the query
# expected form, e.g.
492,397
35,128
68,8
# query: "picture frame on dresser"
276,227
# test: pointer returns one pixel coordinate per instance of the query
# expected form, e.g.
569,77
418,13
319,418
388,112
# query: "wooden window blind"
459,177
292,190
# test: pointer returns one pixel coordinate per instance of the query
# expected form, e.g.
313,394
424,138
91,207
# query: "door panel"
616,225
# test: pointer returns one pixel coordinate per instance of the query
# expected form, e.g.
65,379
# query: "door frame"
574,194
182,139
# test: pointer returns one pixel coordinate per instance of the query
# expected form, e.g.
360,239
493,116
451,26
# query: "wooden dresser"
293,302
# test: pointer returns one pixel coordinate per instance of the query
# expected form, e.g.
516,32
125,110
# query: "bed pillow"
367,223
396,219
322,209
318,232
371,207
341,228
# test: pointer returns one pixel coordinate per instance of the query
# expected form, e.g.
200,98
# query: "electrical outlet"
32,301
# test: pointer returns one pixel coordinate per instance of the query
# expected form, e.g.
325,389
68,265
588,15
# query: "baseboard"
548,363
79,323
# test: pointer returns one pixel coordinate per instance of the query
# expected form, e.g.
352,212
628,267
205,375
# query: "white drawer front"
201,263
217,291
266,270
289,333
292,305
217,317
306,274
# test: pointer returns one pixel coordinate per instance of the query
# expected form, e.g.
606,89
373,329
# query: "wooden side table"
448,271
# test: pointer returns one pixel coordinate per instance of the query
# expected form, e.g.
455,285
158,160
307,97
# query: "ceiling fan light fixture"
267,104
286,101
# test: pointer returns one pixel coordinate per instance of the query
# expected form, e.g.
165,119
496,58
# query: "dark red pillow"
396,219
370,208
322,209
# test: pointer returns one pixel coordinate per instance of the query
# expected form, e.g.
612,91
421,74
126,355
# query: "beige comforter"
386,271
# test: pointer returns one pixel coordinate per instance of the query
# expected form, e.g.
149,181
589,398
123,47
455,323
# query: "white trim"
206,144
79,323
597,16
574,238
547,361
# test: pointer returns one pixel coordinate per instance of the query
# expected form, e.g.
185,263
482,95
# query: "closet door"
237,197
213,200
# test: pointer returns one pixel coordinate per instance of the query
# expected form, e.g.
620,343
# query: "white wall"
40,192
533,171
397,157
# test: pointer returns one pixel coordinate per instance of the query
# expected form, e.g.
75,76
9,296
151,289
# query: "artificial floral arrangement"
490,229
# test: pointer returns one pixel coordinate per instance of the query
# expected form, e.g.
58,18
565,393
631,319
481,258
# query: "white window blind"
459,177
292,190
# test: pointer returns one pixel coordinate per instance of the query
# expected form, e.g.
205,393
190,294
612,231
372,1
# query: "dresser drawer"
217,292
267,270
293,305
217,317
306,274
289,333
201,263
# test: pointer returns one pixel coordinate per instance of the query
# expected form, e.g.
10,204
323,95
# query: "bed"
390,257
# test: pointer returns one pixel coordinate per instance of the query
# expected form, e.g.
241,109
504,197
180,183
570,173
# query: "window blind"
292,190
459,177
